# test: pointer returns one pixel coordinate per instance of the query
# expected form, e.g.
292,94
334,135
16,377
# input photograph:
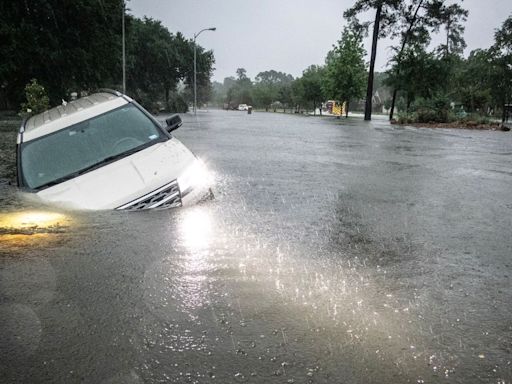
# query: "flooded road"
334,252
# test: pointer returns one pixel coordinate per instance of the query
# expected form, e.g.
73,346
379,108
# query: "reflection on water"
32,222
31,228
196,229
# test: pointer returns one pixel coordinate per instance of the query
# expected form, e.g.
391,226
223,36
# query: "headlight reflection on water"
32,220
30,227
196,234
196,229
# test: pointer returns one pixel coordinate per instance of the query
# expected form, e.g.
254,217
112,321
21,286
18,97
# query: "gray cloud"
290,35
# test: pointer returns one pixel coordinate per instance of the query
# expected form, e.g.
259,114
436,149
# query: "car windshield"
74,150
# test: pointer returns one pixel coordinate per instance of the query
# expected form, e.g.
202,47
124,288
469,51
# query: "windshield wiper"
104,161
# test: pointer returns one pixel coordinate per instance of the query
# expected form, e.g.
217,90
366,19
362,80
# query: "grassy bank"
9,126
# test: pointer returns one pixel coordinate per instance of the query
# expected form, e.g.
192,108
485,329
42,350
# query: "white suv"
105,151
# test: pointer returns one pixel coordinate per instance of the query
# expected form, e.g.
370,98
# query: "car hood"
124,180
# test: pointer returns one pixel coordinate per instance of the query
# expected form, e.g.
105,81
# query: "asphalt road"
334,252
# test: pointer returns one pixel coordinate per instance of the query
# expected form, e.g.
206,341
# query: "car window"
85,144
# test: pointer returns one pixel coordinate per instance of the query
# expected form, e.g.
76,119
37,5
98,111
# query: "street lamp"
195,70
124,51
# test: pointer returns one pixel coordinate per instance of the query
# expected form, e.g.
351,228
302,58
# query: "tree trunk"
346,109
392,109
369,89
448,25
166,97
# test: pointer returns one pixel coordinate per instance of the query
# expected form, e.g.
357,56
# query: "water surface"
334,252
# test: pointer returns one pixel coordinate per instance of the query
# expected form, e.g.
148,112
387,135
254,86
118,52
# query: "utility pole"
195,65
124,52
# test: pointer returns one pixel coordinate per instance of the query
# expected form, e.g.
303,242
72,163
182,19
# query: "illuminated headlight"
195,176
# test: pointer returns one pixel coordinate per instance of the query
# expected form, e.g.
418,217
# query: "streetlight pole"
124,53
195,65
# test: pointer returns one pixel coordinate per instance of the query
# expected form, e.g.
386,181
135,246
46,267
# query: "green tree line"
425,83
75,46
342,78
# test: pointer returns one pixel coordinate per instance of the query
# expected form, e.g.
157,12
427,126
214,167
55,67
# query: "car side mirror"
173,123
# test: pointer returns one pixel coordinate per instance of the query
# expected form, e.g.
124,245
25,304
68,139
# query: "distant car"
105,151
243,107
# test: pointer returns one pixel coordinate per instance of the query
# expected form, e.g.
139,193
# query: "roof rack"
111,91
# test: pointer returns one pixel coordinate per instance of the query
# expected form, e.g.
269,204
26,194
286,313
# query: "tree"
263,95
37,99
501,59
158,60
385,20
311,80
422,75
345,72
417,20
298,94
77,46
473,81
241,73
271,86
412,28
240,92
451,17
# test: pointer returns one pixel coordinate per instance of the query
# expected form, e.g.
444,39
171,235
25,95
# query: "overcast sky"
288,35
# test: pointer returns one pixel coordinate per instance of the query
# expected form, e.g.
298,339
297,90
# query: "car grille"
167,196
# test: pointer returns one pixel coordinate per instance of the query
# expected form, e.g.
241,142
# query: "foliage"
240,91
157,61
501,61
311,86
177,103
451,17
433,110
70,47
263,95
271,86
345,72
417,20
422,74
77,47
386,15
268,87
472,85
406,118
37,99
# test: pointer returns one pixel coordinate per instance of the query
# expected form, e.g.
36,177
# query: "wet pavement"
334,252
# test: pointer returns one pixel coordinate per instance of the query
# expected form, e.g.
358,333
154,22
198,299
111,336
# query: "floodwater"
334,252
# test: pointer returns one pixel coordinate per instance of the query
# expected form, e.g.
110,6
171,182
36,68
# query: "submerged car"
105,151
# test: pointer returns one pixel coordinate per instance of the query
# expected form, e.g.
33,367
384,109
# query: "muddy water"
334,252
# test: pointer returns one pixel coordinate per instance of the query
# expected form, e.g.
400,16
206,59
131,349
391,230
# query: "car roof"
70,113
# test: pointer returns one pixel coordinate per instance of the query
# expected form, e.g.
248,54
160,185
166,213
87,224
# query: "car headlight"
195,176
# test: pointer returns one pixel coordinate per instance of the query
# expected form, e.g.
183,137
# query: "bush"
475,118
177,104
435,110
405,118
37,99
